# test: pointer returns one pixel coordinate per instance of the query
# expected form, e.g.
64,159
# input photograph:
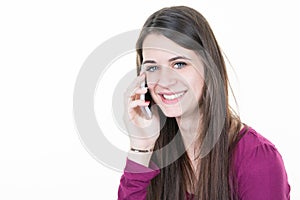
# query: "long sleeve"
260,170
135,180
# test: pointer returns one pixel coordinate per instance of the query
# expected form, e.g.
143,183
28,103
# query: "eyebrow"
170,60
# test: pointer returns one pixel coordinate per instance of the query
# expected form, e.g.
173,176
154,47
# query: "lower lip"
170,101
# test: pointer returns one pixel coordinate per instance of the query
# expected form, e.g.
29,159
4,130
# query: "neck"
190,126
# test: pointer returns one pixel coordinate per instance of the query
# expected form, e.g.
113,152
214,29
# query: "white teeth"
173,96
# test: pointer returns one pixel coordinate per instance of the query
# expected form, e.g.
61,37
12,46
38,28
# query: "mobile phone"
145,109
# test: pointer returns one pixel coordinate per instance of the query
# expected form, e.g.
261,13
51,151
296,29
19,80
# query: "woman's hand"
142,132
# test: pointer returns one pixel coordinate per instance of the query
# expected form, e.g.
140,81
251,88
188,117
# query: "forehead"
157,43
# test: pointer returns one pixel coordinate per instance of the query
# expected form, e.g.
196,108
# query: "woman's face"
175,75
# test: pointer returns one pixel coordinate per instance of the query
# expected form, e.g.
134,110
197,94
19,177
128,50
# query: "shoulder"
251,142
259,167
254,149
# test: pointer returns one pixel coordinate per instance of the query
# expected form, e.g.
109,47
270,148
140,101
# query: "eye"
179,65
152,68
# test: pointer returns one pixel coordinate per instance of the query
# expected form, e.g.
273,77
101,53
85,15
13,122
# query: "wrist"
136,150
141,145
142,158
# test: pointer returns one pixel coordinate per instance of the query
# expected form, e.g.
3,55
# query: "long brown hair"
215,180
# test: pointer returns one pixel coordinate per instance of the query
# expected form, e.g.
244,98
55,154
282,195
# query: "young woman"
191,145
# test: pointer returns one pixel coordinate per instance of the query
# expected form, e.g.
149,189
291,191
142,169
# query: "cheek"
197,87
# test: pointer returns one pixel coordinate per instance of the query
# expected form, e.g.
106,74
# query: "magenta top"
259,168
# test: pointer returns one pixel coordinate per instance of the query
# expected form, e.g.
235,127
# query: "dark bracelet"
141,150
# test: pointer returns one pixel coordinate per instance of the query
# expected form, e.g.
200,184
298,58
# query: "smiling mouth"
171,98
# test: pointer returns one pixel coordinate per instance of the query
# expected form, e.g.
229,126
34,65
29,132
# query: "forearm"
135,180
140,157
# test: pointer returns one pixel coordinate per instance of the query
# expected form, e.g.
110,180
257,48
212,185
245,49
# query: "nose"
164,77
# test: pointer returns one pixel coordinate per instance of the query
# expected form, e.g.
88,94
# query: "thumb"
158,115
154,110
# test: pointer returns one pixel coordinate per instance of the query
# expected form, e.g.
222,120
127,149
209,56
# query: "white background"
44,43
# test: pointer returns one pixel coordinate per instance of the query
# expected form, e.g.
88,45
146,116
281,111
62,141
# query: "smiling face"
175,75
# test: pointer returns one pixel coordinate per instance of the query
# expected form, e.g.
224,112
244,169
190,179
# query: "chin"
171,112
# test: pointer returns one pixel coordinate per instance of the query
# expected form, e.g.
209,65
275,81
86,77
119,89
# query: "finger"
136,83
135,91
141,90
135,103
129,94
136,94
